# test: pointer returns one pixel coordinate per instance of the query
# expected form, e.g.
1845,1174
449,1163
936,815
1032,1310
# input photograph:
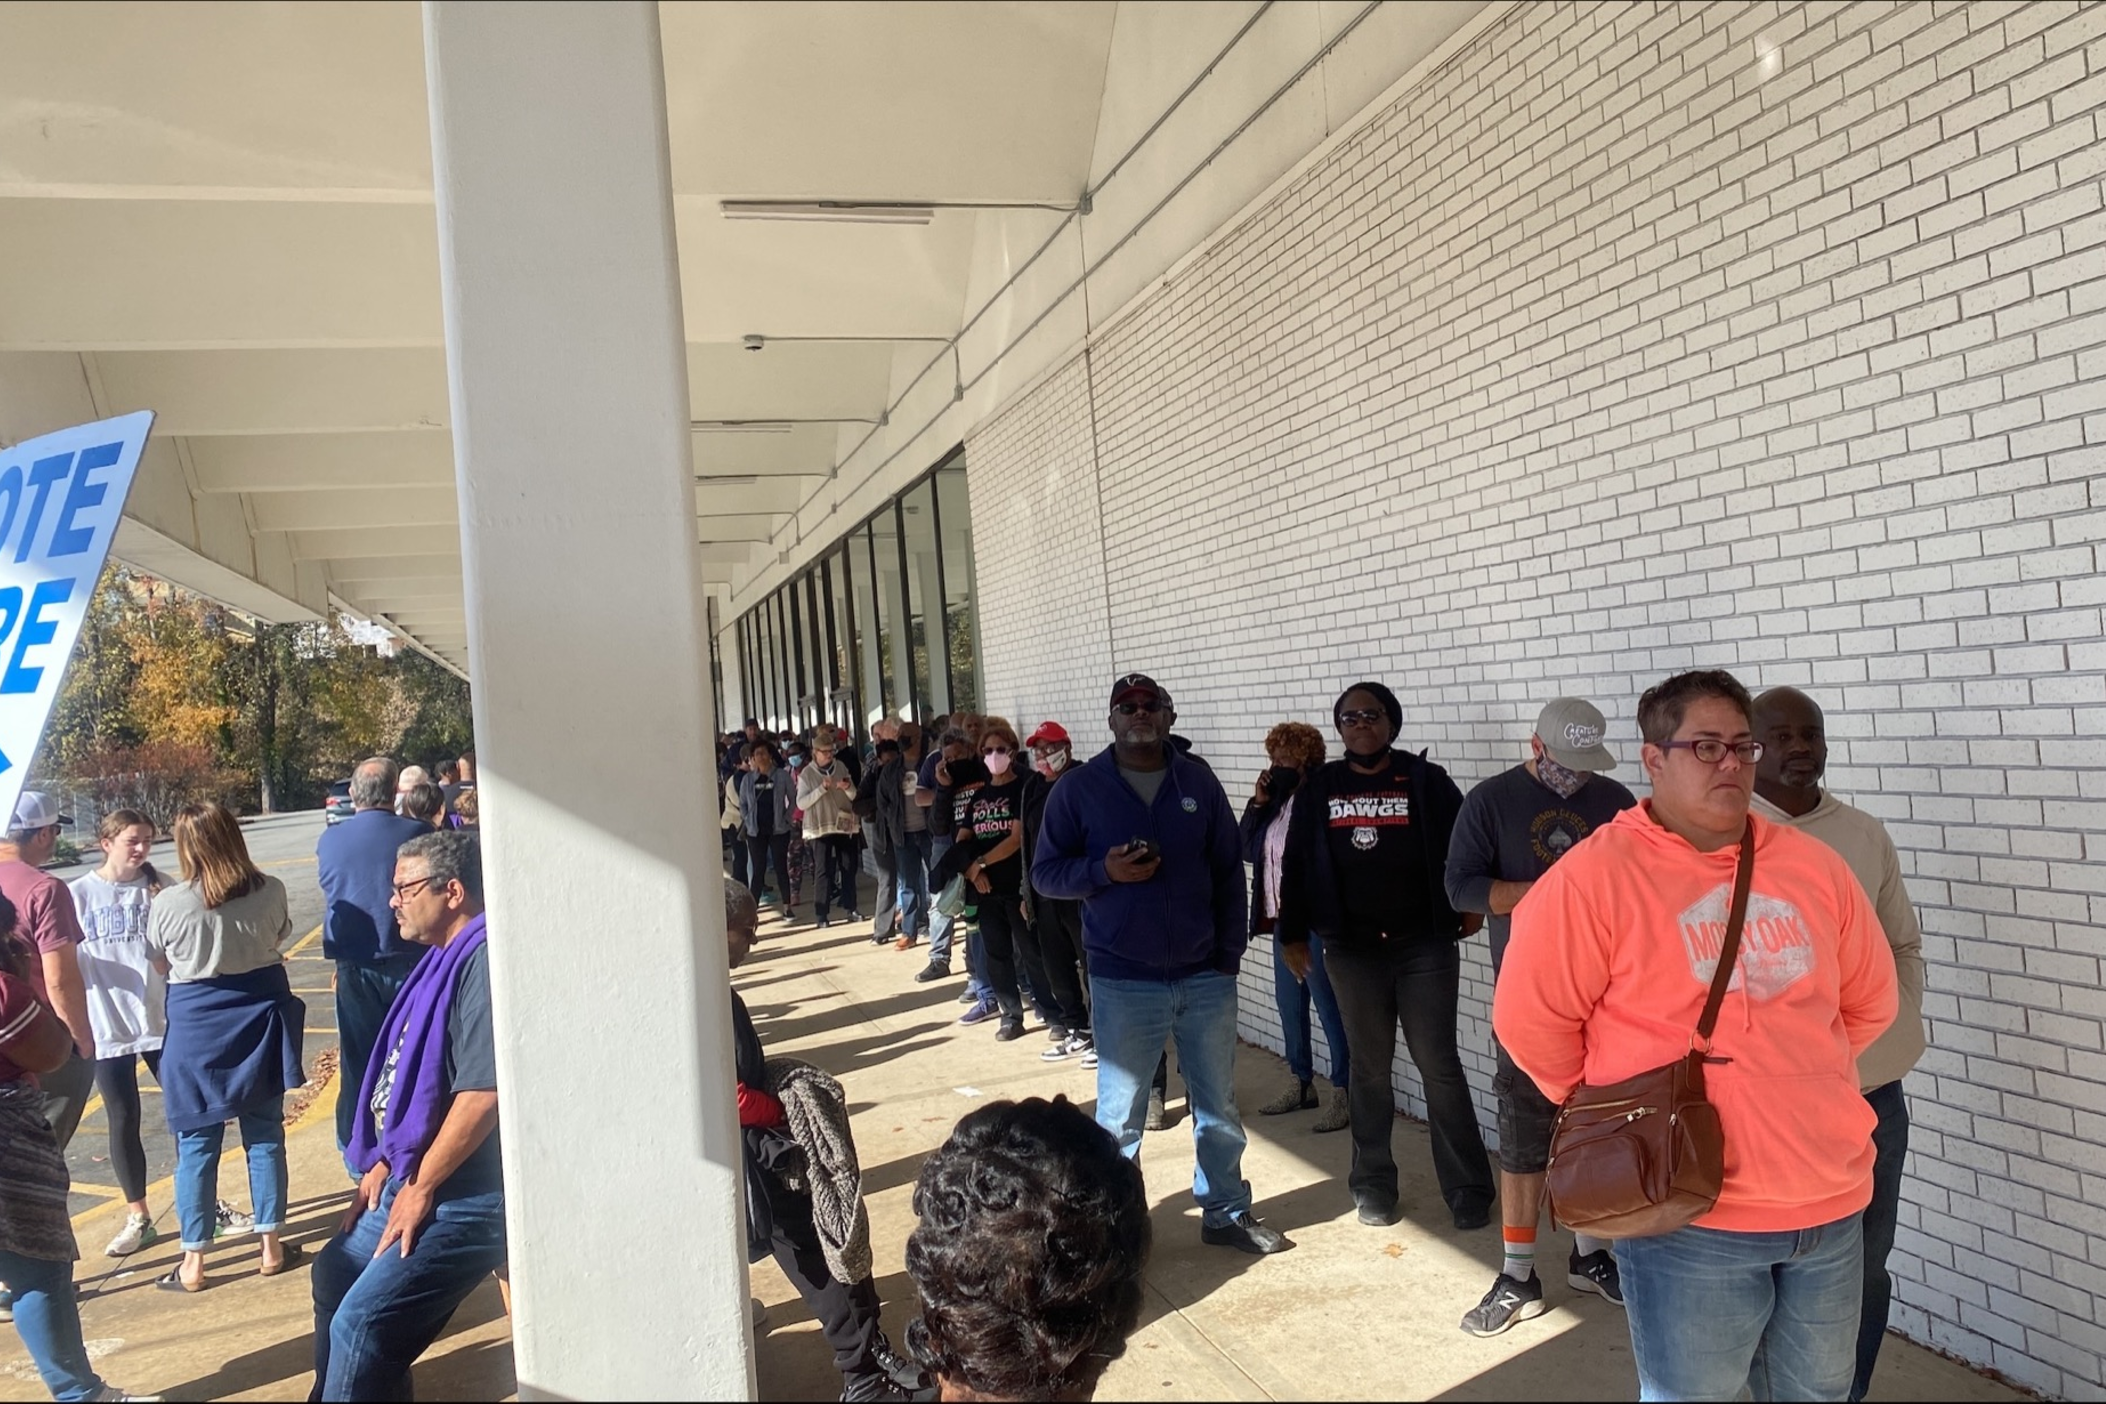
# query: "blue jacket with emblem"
1188,918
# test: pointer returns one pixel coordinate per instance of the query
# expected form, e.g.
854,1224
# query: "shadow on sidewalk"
786,1028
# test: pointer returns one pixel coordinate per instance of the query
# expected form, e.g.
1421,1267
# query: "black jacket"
891,822
1257,818
1309,898
866,808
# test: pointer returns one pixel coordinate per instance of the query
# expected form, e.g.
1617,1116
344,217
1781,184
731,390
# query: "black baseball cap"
1138,683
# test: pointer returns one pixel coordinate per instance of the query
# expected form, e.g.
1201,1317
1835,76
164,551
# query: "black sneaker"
1246,1234
1471,1215
1508,1301
1595,1273
1009,1032
932,971
904,1372
1158,1114
1056,1034
1376,1212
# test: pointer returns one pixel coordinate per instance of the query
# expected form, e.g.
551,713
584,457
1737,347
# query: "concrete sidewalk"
1350,1313
244,1336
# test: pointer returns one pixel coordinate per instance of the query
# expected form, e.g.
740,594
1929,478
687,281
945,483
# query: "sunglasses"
1365,716
1132,709
995,751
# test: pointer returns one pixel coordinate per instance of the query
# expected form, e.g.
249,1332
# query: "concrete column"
567,367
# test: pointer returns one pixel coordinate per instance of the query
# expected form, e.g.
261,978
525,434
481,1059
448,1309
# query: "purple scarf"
418,1103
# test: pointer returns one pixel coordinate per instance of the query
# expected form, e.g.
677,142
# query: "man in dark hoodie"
1363,872
1144,838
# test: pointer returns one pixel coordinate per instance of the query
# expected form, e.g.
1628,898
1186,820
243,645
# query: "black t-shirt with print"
991,811
763,816
947,815
1377,851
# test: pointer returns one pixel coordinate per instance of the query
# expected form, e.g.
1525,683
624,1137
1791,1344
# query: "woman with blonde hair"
125,995
234,1032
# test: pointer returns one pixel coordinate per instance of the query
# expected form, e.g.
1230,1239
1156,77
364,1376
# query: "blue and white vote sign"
60,497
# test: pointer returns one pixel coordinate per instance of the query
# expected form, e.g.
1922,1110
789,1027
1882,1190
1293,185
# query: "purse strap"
1730,949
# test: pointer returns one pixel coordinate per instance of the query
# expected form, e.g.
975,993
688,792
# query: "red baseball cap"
1050,733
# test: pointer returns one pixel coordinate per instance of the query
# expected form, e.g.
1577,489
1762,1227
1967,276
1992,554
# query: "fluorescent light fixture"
739,426
830,211
727,481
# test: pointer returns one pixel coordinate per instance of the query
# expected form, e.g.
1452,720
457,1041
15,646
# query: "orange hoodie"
1613,952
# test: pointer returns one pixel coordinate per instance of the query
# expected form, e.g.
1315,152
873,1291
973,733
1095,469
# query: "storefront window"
960,620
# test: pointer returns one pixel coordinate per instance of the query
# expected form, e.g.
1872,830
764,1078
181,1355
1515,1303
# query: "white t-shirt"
127,998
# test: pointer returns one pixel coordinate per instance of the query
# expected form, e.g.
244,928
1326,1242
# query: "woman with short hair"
235,1030
1365,874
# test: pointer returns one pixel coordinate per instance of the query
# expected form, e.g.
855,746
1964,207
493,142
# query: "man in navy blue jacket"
355,862
1144,838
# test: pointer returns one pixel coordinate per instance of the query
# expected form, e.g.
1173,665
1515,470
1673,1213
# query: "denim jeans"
1715,1312
364,991
1132,1020
912,879
1294,998
197,1172
47,1314
837,873
1890,1139
374,1316
940,926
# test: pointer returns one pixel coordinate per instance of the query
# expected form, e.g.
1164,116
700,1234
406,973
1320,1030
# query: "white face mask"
997,762
1056,761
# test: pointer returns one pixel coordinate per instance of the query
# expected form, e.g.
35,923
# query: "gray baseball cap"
1571,730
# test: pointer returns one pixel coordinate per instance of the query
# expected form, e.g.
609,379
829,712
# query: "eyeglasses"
1365,716
1131,709
403,890
1712,752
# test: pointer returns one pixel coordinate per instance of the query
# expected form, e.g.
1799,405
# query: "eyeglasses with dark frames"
1712,751
1363,716
1132,709
404,890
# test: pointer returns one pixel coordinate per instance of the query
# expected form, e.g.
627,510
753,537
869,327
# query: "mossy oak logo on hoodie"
1776,949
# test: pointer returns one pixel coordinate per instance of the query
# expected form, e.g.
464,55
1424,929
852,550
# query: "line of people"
1368,871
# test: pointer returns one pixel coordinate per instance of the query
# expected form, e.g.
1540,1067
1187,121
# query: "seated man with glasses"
427,1222
1144,838
1613,952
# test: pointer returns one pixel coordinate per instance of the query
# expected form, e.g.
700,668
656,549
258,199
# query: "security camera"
754,341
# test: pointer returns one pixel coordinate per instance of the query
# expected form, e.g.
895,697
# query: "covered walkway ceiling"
223,212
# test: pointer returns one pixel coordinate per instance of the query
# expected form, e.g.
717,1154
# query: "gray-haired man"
355,862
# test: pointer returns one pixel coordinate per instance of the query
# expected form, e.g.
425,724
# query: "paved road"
283,846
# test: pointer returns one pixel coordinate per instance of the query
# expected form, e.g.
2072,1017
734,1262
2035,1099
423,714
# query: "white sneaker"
226,1219
113,1395
137,1233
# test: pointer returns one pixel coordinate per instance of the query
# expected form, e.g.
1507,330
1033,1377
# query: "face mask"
1281,780
1056,761
997,762
796,762
1562,782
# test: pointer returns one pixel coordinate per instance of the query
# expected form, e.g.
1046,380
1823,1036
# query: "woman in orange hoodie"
1611,958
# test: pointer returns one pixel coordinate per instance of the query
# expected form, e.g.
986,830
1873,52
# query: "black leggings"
117,1079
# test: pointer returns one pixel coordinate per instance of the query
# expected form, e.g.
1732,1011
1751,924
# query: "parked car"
338,806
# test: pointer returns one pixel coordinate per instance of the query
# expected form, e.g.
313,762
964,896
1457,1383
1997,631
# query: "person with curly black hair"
1028,1259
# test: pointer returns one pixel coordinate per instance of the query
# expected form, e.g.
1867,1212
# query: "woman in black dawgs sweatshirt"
1363,873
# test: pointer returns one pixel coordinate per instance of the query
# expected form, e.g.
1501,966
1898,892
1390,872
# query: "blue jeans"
1132,1020
940,926
912,879
364,990
374,1316
1294,998
1713,1312
1890,1139
197,1172
48,1316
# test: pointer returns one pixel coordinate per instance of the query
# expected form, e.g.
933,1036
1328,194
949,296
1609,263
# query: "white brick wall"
1645,337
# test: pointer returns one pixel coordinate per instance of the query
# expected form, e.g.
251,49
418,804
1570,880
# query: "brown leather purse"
1646,1155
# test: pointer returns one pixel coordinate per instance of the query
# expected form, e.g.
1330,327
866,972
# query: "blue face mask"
796,762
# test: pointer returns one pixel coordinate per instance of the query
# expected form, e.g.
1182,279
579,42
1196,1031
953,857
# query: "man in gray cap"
1512,828
46,919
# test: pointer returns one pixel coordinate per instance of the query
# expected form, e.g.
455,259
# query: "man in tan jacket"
1788,790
